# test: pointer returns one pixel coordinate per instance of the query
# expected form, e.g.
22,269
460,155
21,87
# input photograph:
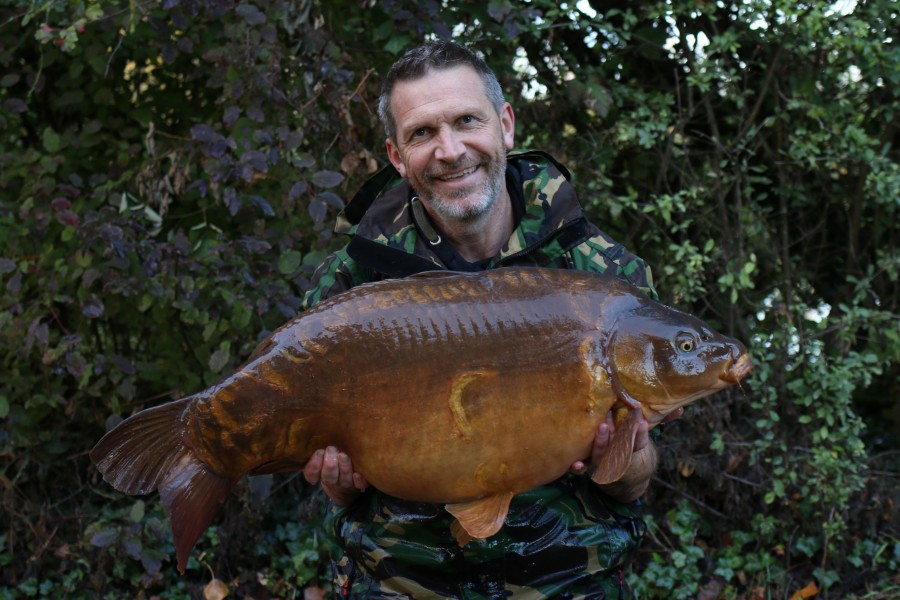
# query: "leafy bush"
170,173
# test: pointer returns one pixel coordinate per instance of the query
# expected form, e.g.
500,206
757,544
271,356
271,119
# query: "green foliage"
170,172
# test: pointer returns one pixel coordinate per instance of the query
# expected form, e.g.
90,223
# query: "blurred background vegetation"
169,176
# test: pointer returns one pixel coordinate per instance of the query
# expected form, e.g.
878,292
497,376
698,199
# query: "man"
464,202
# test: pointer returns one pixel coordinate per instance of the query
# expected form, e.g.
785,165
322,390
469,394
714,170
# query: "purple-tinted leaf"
69,190
14,105
60,203
37,332
104,537
151,561
67,217
293,139
132,547
231,115
254,245
75,364
204,133
244,171
14,285
318,210
304,161
201,186
332,199
262,205
217,149
7,266
251,14
256,159
92,309
268,34
123,364
169,53
232,201
297,190
327,179
167,4
263,135
256,113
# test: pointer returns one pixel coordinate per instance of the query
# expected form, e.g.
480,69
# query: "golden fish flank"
433,385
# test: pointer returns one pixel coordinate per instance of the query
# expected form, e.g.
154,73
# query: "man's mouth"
455,174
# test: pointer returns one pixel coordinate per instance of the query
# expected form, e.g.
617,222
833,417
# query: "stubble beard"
469,205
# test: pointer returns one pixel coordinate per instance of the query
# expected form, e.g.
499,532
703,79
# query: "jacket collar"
384,236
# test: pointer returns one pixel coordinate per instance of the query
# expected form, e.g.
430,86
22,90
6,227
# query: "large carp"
454,388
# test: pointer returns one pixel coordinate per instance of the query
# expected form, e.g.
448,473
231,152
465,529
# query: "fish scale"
462,389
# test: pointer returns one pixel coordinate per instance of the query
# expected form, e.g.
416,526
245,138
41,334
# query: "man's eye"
418,133
467,120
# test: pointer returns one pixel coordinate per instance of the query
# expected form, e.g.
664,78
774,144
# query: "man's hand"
636,479
334,471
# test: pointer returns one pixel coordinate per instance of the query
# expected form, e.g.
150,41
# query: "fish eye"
685,343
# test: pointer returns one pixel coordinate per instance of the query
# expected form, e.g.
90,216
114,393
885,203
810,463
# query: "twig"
691,498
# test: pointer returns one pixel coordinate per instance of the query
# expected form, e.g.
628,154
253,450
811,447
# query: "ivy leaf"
51,140
289,261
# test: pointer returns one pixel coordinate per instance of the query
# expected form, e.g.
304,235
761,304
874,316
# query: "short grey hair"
419,61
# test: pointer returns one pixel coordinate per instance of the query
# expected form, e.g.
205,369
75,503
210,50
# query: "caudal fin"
146,452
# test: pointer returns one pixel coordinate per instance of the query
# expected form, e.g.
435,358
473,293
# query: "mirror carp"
457,388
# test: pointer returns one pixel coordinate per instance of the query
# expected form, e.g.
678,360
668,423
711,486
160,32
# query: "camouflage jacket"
561,540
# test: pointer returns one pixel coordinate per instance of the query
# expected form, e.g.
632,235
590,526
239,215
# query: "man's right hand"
334,471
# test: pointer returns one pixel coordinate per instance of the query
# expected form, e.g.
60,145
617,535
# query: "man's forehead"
459,86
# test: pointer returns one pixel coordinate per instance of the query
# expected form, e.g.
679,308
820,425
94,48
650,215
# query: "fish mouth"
737,370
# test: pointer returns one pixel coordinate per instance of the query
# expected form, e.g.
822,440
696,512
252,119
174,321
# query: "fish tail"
136,455
146,452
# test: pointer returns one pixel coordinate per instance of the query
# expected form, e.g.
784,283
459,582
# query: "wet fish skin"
463,389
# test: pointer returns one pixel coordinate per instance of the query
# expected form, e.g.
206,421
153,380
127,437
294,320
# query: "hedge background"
169,176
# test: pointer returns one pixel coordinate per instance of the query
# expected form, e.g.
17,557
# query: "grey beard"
487,197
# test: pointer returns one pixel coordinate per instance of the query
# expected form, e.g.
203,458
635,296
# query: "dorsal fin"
618,456
480,518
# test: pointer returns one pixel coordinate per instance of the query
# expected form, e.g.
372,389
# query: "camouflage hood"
390,237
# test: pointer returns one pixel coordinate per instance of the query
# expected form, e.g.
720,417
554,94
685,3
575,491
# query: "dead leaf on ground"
808,591
215,590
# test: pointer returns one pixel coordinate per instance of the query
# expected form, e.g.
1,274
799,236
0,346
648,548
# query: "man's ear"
394,156
508,125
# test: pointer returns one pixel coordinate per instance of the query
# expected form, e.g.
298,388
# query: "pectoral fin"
617,458
479,518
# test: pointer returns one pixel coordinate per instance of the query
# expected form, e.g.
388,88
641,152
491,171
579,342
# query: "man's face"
450,142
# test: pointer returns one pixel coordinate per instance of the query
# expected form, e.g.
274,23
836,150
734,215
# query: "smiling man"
456,197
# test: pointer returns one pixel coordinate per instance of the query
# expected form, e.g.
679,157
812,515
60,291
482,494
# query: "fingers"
312,471
334,470
602,438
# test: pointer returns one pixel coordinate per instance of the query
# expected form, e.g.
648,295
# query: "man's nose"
449,145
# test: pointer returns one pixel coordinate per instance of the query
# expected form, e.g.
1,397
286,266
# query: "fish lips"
737,370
